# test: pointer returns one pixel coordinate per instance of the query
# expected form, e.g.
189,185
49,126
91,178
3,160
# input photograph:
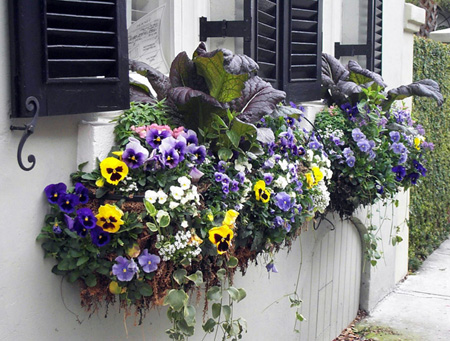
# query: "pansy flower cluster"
373,152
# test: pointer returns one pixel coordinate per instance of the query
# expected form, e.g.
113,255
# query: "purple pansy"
278,222
398,148
413,177
148,262
290,121
364,146
56,228
225,188
69,222
271,268
124,269
234,186
400,172
195,174
99,236
135,154
395,136
403,158
67,202
350,161
155,137
240,177
222,166
198,153
347,152
358,135
82,192
299,186
191,137
54,191
268,164
218,176
79,228
225,179
268,178
283,201
86,218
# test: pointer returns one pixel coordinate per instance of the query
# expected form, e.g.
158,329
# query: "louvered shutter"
378,34
71,55
288,46
302,47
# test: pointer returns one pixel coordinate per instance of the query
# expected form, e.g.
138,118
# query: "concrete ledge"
414,17
442,35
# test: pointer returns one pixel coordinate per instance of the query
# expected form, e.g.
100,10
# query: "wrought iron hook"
31,104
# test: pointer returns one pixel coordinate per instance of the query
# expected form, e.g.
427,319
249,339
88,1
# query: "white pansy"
173,205
184,224
177,192
309,155
284,164
184,182
151,196
281,182
241,165
162,197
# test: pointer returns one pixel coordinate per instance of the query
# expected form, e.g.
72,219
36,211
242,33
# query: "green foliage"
430,203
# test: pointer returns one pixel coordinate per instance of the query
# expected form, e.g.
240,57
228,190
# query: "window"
285,40
71,55
368,49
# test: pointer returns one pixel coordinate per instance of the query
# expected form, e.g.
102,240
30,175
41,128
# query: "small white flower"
184,182
283,164
162,197
184,224
309,155
177,192
151,196
173,204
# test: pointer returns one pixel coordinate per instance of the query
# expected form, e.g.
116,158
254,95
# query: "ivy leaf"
209,325
214,293
151,210
176,299
197,278
146,290
179,276
234,293
232,262
222,85
221,274
226,312
189,315
216,309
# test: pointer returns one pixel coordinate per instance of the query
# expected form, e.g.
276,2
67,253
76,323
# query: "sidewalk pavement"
420,306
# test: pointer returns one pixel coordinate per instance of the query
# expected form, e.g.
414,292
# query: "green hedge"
430,202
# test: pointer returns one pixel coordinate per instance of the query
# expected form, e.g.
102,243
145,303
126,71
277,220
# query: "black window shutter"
373,47
289,46
72,55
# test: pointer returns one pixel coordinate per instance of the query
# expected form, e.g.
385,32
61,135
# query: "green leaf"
152,227
209,325
216,308
179,276
225,154
101,192
197,278
146,290
242,294
189,315
91,280
221,274
226,312
222,85
234,137
232,262
164,221
73,276
299,316
234,293
82,260
176,299
220,121
151,210
185,328
214,293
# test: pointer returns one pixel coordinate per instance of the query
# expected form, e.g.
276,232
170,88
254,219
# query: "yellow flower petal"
221,237
109,218
230,218
309,180
100,182
259,187
113,170
318,175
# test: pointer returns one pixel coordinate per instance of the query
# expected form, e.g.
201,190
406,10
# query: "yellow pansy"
318,175
309,180
109,218
113,170
261,193
417,142
100,182
230,218
221,237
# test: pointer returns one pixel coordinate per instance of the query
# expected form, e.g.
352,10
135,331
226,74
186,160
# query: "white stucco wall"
31,304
